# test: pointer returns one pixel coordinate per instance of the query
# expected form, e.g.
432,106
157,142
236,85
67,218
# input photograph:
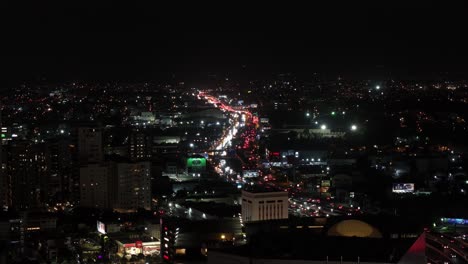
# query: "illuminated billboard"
101,227
326,183
196,164
250,173
403,187
455,221
325,186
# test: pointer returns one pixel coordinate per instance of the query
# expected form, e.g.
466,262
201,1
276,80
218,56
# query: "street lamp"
323,127
191,145
353,128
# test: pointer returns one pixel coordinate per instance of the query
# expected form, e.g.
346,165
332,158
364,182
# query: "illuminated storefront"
139,247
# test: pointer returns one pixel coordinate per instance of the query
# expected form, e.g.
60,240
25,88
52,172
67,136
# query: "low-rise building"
264,204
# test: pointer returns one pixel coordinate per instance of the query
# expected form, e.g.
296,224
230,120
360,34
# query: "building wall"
61,166
4,201
140,146
264,206
133,186
90,145
28,173
215,257
94,186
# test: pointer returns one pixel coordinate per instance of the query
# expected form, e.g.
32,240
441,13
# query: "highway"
440,248
447,249
247,124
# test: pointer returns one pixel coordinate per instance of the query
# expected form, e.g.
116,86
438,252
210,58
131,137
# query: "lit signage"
250,173
196,164
455,221
101,227
403,187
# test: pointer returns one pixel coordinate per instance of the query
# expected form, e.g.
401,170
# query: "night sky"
136,42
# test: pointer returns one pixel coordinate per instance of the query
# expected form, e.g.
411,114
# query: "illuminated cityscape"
133,136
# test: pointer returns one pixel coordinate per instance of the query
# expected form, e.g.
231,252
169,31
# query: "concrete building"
61,166
4,199
28,173
96,186
140,146
133,186
379,239
144,117
258,205
90,145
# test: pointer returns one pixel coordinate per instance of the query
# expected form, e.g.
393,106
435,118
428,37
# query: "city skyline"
220,134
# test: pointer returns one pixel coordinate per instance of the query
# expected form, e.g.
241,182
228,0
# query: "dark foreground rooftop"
319,248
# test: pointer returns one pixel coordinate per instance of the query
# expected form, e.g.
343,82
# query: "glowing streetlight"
323,127
191,145
377,87
353,128
307,114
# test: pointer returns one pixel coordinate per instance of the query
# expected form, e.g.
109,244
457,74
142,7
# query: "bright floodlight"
191,145
323,127
307,114
377,87
353,127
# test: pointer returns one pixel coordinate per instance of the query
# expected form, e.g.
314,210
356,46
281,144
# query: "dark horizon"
115,42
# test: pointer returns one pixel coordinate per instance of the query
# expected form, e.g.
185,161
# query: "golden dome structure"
354,228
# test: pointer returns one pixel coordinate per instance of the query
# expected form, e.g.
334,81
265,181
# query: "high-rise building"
258,205
140,146
28,171
96,186
90,145
61,166
133,186
4,201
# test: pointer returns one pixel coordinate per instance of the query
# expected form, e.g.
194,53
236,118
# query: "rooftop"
261,189
270,246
